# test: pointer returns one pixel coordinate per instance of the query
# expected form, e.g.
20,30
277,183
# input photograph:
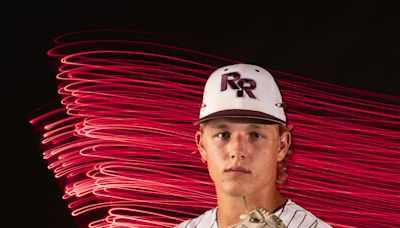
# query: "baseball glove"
259,218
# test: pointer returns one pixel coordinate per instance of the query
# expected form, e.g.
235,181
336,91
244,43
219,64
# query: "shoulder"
206,220
294,215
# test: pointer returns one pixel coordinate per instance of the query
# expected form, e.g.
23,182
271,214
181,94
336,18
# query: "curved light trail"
121,143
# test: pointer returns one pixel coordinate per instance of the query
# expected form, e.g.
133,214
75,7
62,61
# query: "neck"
231,207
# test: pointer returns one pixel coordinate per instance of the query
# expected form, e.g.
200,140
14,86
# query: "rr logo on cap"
235,82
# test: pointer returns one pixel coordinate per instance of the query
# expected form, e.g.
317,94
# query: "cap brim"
240,113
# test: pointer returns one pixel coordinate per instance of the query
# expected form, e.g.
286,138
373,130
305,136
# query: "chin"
236,189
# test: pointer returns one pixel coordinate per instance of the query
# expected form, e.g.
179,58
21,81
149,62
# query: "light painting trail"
122,142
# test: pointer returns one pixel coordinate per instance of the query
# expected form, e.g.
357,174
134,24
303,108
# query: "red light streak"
123,146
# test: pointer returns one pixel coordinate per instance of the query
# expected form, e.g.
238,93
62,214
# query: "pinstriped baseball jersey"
293,215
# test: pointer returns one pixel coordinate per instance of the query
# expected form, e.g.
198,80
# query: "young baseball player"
244,139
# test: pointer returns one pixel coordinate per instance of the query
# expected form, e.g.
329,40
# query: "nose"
237,147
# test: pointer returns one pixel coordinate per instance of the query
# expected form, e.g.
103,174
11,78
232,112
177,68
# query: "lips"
237,169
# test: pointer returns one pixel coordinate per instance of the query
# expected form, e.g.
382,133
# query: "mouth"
237,169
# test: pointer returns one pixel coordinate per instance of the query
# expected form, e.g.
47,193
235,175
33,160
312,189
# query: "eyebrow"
225,126
256,126
219,126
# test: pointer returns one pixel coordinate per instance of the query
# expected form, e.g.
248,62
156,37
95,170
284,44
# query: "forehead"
238,122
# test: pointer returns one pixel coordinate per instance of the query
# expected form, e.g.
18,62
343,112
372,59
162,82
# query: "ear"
284,143
200,146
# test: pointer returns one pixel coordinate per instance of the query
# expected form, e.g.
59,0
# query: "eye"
223,135
256,135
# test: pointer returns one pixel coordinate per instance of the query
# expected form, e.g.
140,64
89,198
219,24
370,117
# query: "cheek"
216,158
214,150
265,151
215,167
264,162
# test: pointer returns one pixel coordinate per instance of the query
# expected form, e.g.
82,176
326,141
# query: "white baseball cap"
242,91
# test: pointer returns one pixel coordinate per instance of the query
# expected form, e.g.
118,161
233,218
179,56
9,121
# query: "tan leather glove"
259,218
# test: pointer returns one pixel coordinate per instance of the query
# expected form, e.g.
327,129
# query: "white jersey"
291,214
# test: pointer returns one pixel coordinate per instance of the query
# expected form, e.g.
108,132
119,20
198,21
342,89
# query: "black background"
354,44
